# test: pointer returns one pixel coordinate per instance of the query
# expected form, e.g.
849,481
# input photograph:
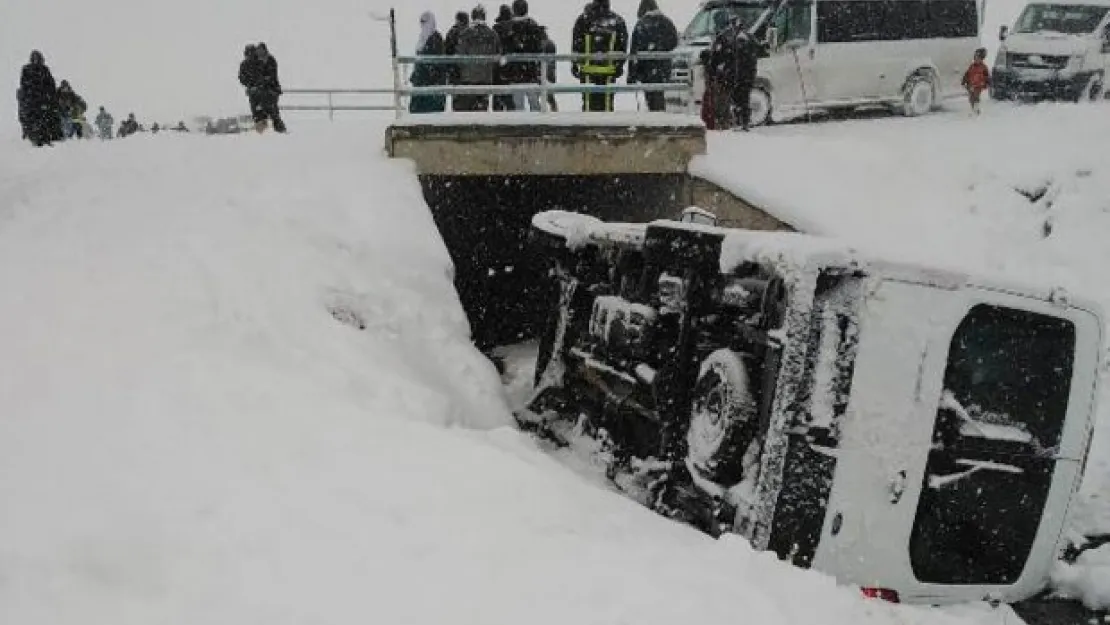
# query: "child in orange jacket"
977,79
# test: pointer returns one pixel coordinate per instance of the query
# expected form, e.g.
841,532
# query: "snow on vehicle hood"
1049,43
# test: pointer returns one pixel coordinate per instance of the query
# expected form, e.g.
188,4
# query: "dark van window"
844,21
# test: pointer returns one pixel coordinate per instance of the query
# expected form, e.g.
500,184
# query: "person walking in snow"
430,43
72,109
977,79
525,36
250,76
549,47
38,96
129,127
270,92
104,124
599,31
451,44
654,32
503,27
477,40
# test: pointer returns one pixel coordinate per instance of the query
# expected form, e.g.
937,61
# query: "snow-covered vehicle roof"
790,251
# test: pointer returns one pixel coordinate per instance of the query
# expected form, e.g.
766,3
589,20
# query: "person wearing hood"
251,77
129,127
430,43
503,26
549,47
730,70
477,40
451,43
599,31
39,101
72,109
525,37
104,124
270,91
654,32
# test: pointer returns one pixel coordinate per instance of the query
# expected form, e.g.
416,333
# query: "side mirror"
772,38
1003,32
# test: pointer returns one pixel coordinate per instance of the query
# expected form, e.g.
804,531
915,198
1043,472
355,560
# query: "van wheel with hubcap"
723,418
919,96
760,99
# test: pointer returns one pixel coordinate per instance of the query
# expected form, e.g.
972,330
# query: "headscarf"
427,29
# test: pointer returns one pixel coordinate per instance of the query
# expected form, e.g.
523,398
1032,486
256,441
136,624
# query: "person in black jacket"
731,64
477,40
654,32
549,47
129,127
451,44
525,36
597,31
40,102
503,27
72,109
430,43
270,93
250,76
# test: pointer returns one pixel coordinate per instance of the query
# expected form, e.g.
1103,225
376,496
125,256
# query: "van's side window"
843,21
793,21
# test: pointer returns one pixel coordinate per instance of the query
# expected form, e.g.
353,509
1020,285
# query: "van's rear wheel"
1093,91
919,96
723,418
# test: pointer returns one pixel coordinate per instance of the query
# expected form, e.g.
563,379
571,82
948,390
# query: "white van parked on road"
834,54
1058,51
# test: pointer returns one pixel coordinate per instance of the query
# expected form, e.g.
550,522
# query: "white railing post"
396,66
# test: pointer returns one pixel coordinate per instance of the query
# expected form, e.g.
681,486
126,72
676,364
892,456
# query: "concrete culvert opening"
485,221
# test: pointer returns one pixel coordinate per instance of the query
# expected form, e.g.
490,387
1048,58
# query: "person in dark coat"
270,93
71,108
250,76
549,47
451,43
477,40
503,27
598,31
40,101
129,127
525,37
731,64
24,119
654,32
430,43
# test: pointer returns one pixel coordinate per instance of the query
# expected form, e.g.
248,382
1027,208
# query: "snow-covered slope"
188,434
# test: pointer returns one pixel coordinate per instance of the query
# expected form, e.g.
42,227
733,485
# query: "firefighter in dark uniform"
598,31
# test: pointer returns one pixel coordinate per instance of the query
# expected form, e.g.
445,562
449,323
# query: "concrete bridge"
485,175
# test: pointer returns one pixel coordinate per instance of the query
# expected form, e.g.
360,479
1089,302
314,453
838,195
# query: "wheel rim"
707,431
761,107
921,97
1094,89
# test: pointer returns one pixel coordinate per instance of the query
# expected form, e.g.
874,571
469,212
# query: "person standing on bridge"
477,40
549,47
503,27
599,31
430,43
451,44
654,32
525,37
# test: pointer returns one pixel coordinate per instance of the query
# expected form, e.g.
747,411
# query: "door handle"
897,487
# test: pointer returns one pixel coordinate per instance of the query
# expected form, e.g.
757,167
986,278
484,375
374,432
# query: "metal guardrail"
542,89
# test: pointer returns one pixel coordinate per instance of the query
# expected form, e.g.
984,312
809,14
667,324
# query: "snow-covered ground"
236,387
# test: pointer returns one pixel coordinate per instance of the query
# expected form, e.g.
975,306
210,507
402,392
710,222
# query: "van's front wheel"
918,96
760,99
1093,91
723,418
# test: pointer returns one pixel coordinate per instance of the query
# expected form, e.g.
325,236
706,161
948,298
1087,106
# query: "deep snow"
189,435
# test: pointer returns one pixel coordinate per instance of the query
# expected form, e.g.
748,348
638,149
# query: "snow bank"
1088,580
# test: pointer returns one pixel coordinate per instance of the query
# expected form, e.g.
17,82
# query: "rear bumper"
1010,84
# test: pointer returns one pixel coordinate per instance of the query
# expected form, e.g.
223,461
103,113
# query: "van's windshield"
704,23
1072,19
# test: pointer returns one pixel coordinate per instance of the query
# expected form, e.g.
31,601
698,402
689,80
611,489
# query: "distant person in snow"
104,124
451,43
503,27
477,40
549,47
24,119
258,73
129,127
430,43
72,109
271,87
181,127
39,101
654,32
599,31
977,79
525,36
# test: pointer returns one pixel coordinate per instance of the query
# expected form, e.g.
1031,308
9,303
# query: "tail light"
885,594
